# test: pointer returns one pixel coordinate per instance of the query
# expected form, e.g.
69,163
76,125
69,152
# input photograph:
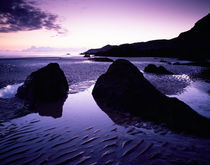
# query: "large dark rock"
123,88
47,84
151,68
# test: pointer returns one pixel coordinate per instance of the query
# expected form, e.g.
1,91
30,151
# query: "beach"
84,133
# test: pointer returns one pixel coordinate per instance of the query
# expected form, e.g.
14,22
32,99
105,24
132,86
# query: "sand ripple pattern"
92,138
31,144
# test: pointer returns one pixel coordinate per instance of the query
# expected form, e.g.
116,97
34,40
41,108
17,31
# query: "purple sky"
82,24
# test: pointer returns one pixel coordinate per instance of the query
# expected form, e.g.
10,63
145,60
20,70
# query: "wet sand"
77,70
84,134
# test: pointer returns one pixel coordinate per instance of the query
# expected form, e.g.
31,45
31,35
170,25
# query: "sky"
56,27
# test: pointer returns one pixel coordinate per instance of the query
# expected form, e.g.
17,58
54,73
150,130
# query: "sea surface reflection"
196,95
84,134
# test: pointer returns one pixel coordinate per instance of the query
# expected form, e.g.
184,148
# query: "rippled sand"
86,135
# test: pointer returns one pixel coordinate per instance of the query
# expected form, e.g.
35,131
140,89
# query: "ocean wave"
9,91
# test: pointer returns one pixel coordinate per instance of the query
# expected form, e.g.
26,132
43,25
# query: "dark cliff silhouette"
190,44
103,49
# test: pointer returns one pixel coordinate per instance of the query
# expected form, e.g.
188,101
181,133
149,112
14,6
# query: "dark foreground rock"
101,59
123,88
47,84
151,68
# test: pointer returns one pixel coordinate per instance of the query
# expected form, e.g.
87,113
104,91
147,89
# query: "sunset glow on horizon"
92,23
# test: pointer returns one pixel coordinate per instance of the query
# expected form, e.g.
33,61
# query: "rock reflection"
119,118
53,109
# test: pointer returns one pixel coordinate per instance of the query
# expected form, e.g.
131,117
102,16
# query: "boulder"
123,89
151,68
101,59
47,84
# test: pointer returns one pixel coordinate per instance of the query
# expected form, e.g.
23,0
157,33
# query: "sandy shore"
86,135
77,70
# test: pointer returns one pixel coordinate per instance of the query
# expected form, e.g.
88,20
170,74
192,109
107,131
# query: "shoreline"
84,128
19,110
79,71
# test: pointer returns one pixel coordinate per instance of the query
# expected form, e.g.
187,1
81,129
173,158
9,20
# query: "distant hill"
103,49
194,43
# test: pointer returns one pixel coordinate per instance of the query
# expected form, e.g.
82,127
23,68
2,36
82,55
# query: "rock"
87,55
101,59
123,88
151,68
47,84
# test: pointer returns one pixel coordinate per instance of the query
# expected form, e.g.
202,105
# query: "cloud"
23,15
35,49
40,51
44,49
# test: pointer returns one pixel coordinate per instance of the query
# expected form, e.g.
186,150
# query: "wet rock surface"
47,84
123,88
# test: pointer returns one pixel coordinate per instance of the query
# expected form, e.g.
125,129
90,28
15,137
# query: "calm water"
85,134
197,96
81,133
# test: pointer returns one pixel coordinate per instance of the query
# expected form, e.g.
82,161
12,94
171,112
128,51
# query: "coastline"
80,71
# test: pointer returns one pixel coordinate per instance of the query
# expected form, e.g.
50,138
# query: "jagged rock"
151,68
123,88
47,84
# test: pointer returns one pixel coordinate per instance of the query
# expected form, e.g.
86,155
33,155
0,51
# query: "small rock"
151,68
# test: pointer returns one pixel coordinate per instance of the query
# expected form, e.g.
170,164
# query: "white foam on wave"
9,91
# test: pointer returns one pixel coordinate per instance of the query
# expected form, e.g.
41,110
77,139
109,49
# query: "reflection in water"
53,109
86,135
197,97
116,116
